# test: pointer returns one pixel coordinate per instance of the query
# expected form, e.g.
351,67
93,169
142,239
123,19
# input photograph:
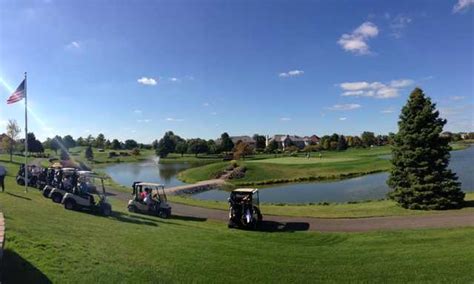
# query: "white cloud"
174,119
137,111
402,83
398,24
213,113
73,45
206,104
143,120
374,89
285,118
387,111
356,42
174,80
457,98
462,5
342,118
342,107
147,81
291,73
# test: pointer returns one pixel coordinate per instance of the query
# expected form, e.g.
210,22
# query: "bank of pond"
361,188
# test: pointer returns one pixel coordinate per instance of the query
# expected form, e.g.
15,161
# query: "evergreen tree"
226,143
89,154
341,143
420,177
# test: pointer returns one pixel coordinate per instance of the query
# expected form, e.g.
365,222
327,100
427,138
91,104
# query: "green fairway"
302,161
332,165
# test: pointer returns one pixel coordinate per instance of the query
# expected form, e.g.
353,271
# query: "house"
246,139
293,140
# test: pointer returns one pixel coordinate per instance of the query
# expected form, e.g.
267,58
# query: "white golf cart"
83,197
244,208
149,198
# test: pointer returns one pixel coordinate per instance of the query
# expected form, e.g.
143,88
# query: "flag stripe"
18,95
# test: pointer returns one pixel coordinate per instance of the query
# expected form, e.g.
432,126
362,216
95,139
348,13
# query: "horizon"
137,70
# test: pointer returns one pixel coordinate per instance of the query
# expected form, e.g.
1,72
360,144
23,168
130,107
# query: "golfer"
3,173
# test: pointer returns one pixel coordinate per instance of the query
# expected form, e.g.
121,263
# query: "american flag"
18,94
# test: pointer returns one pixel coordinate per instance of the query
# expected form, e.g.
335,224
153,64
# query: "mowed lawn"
302,161
45,242
332,165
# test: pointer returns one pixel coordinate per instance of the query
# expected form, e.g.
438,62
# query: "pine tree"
89,153
420,177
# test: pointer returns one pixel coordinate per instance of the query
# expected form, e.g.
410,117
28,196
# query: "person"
3,173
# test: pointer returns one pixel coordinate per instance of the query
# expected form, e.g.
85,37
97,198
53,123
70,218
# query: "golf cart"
149,198
244,211
71,177
32,175
82,198
55,180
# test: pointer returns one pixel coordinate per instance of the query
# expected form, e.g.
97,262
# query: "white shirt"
2,171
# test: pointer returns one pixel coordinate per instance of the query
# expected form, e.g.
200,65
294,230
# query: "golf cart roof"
245,190
149,184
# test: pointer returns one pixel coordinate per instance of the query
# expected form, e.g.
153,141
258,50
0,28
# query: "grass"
174,158
46,243
378,208
332,165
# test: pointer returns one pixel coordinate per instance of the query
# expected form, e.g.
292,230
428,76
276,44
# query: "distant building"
293,140
244,138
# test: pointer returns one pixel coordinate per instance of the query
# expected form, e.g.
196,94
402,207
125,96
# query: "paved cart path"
447,219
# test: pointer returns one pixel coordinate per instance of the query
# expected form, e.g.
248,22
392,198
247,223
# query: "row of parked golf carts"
85,190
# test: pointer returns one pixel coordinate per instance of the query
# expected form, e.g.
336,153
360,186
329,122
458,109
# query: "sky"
135,69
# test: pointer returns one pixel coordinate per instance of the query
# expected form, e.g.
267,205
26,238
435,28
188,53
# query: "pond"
126,173
369,187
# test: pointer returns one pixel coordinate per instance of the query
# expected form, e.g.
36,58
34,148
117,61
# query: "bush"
112,154
136,152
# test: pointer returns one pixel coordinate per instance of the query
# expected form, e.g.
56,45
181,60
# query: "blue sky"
135,69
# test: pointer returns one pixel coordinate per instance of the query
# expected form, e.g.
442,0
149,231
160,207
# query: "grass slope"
45,243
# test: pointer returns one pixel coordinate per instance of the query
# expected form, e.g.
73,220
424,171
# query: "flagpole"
26,137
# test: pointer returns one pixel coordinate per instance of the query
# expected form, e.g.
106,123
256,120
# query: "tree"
325,142
197,146
272,147
64,155
69,142
226,144
130,144
107,144
182,147
56,144
211,144
13,130
420,177
167,144
241,150
80,141
116,144
341,143
260,141
100,141
154,144
89,154
368,138
34,145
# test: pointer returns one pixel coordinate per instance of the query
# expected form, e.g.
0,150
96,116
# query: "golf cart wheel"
46,193
106,210
163,214
132,208
57,198
70,204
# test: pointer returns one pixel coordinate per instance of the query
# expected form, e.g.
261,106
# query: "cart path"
448,219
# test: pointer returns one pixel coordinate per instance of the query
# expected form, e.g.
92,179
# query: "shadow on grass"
188,218
18,196
16,269
133,219
272,226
